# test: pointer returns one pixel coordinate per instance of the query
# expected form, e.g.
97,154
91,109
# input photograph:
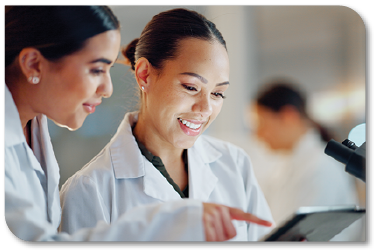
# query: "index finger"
238,214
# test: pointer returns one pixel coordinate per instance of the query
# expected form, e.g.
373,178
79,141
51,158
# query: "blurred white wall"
322,48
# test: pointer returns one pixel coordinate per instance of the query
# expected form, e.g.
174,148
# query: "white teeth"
189,124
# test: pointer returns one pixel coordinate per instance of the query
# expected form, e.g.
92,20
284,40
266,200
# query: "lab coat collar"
124,150
205,150
128,162
202,181
41,155
126,157
44,153
14,132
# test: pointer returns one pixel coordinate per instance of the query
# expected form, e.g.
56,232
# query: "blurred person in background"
289,161
158,154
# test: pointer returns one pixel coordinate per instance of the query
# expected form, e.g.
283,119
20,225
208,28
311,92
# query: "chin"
185,144
72,126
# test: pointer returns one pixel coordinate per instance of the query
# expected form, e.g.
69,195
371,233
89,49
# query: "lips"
91,107
190,127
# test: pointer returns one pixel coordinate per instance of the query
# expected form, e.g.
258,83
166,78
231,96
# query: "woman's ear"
29,60
142,73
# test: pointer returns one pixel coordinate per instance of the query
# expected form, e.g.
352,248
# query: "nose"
203,105
106,88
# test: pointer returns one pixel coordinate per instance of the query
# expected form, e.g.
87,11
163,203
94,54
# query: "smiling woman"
69,68
80,80
191,91
159,153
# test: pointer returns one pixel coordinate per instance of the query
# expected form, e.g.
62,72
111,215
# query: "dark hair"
280,93
159,40
56,31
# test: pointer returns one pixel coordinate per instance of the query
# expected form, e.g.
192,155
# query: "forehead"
105,44
199,55
200,50
265,113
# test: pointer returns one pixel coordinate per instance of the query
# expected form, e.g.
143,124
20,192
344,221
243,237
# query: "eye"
190,88
97,71
219,95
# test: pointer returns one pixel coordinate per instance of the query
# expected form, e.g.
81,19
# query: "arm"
157,222
84,207
216,218
181,220
148,223
26,215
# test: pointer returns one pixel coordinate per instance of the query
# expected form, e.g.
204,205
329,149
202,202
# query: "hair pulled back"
159,39
279,94
56,31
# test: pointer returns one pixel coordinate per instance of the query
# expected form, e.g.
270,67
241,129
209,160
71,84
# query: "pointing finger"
237,214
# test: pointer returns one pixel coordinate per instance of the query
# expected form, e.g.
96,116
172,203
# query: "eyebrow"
103,60
204,80
223,83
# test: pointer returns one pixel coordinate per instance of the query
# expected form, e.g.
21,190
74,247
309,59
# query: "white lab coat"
32,205
120,178
304,177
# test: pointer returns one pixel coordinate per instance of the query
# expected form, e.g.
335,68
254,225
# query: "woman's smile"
190,127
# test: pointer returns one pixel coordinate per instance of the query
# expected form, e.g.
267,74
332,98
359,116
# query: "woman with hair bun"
57,65
159,154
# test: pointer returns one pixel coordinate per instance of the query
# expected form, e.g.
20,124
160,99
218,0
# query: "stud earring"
142,87
34,80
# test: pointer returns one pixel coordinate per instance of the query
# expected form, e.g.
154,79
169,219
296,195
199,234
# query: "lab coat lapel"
128,162
14,130
44,151
202,180
156,185
126,157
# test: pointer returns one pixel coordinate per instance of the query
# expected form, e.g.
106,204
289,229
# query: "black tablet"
316,223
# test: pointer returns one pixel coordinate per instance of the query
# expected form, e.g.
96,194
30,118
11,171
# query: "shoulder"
227,149
95,173
220,152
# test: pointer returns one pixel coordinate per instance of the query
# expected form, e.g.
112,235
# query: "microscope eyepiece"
349,154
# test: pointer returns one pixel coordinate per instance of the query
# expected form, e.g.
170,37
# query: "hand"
217,221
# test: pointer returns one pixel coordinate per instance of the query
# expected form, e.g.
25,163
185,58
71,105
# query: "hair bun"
129,53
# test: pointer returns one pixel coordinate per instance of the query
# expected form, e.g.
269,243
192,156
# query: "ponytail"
129,53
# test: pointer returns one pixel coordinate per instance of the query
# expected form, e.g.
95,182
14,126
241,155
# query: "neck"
20,98
296,134
22,94
155,144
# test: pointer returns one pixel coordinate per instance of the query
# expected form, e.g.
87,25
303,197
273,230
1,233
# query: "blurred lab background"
322,48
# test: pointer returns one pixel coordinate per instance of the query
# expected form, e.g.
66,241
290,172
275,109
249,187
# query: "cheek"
81,87
265,129
71,83
216,109
216,106
175,102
